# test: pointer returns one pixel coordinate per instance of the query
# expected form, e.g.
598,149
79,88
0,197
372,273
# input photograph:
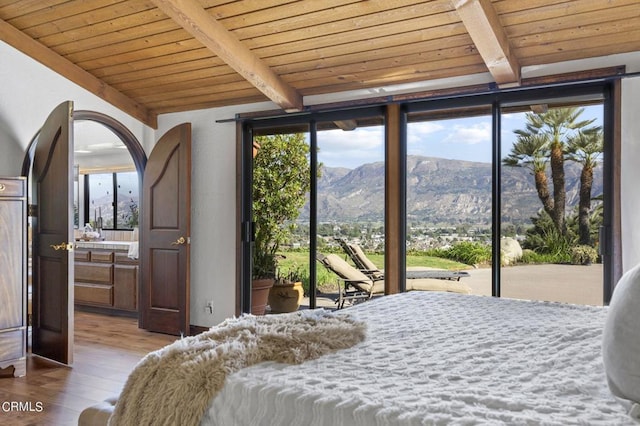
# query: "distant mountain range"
439,192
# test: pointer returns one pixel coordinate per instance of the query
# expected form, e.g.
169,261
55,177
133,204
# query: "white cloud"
512,116
417,132
339,148
362,138
464,138
470,135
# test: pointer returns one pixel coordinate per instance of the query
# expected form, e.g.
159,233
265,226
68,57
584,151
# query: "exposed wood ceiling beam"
483,25
191,16
66,68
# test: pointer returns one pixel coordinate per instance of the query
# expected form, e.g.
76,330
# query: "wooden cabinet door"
12,213
125,280
13,274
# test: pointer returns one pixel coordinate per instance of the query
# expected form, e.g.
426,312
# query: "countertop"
113,245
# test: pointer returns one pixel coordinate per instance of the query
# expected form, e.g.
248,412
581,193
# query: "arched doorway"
108,179
128,139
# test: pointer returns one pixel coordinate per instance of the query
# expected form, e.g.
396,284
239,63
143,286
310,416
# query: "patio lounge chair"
364,264
355,286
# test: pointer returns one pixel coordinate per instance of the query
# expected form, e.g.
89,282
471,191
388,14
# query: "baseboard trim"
197,329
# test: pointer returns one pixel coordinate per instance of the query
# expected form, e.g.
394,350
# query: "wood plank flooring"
106,350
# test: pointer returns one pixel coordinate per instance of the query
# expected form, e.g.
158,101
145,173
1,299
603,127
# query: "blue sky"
461,139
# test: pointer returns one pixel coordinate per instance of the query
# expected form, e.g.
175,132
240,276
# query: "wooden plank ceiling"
150,57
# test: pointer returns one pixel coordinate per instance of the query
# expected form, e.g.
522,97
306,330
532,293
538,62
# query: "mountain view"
440,192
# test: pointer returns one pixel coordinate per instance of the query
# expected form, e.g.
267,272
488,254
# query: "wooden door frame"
130,141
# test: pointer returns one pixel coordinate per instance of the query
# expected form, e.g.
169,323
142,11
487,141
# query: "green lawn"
416,260
327,280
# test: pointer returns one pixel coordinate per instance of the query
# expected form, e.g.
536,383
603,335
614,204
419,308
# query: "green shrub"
583,255
546,240
471,253
297,262
531,257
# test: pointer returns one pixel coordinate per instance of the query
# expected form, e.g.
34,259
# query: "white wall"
630,165
29,92
213,208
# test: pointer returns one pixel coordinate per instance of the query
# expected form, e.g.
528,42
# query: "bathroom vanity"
106,277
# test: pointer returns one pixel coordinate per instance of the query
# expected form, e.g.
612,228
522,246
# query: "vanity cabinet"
13,274
125,283
106,278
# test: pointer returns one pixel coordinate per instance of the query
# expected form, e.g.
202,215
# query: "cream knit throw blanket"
174,385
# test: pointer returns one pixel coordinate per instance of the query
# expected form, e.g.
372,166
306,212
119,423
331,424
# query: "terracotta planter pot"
286,297
260,294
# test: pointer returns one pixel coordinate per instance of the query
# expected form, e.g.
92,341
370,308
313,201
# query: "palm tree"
553,127
585,148
532,152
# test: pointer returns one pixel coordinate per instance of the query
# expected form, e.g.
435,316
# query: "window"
449,191
552,193
112,200
484,197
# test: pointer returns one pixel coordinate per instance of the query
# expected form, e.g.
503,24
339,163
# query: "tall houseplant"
280,183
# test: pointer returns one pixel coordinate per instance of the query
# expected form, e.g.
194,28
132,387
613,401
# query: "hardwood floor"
106,350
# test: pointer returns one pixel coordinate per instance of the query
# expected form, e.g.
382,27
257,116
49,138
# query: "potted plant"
280,185
287,292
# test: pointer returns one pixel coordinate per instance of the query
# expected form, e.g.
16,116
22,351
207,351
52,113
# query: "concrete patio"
555,283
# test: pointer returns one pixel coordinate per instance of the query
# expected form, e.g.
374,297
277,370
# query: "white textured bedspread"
439,358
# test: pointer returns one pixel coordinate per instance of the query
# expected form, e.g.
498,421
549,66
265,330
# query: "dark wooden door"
165,234
52,193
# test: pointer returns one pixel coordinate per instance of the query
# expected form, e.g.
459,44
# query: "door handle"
62,246
179,241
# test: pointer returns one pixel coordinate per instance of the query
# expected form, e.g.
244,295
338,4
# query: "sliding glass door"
280,189
552,194
351,196
449,193
309,181
511,190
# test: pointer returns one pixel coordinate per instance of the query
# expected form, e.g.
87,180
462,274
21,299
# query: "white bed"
439,358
